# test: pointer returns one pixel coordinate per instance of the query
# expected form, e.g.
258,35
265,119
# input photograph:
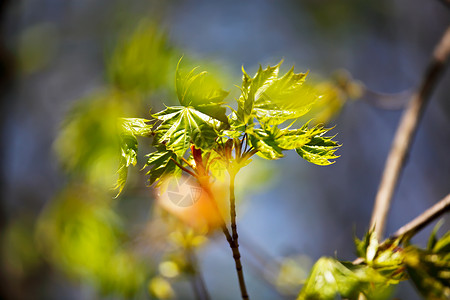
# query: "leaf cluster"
382,266
198,136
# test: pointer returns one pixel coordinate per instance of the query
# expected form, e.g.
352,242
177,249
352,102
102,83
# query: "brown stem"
183,168
187,163
405,135
234,243
424,219
248,154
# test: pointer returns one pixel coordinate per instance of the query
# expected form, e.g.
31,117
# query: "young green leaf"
252,88
429,271
319,150
270,141
182,126
162,164
201,92
266,141
272,100
130,128
443,244
129,157
330,278
136,126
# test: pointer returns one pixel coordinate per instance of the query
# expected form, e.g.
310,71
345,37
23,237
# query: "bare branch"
418,223
405,135
424,219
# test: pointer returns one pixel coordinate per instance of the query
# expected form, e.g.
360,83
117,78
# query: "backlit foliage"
200,124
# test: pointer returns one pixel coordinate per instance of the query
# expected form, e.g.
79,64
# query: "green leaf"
201,91
161,163
386,258
270,141
129,157
136,126
361,245
329,278
182,126
266,141
443,244
252,88
130,128
272,100
320,149
429,271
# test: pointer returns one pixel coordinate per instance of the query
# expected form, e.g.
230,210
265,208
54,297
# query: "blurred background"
69,69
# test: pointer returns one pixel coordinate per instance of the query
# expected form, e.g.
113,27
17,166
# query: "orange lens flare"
197,206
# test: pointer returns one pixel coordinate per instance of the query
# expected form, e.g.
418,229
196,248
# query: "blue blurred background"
116,57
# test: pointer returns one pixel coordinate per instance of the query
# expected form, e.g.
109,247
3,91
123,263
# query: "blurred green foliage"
88,145
82,235
18,251
333,93
429,269
142,60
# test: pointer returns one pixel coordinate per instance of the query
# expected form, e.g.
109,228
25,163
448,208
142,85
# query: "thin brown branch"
183,168
235,245
405,135
187,163
248,154
231,241
418,223
424,219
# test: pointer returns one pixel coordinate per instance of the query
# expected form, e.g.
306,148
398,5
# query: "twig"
231,241
235,243
405,134
424,218
418,223
183,168
188,163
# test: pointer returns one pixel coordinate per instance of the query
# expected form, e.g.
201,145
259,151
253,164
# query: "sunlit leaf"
128,157
273,100
130,128
201,91
252,88
182,126
161,163
330,278
136,126
311,143
386,258
266,141
320,149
